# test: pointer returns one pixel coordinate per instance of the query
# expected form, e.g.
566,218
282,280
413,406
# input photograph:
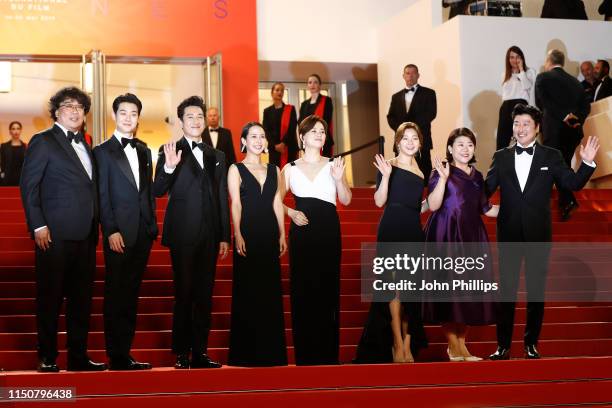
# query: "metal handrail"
380,140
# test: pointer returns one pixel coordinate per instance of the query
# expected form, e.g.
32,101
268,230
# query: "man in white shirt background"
219,137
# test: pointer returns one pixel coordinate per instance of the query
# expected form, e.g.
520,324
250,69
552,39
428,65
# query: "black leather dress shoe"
47,365
500,354
182,361
531,352
203,361
128,364
85,365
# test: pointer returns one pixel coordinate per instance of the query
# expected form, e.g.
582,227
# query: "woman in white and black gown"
257,336
394,329
315,246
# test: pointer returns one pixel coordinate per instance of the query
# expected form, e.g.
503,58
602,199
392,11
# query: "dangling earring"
242,147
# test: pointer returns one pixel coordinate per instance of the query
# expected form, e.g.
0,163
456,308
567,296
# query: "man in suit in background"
58,190
565,107
525,174
415,103
196,227
218,137
129,227
590,82
602,73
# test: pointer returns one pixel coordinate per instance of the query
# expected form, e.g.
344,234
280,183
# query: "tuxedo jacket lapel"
61,139
510,166
206,138
143,165
188,156
118,154
415,99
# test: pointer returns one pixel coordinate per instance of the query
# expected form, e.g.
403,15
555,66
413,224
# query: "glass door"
93,81
213,79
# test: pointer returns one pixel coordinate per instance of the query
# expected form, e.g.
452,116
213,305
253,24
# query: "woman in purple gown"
457,199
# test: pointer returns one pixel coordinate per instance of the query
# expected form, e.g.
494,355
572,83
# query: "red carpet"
579,330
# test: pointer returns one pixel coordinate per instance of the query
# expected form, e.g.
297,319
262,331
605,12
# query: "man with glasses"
58,190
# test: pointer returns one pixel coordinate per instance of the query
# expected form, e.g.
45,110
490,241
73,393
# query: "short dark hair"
411,66
314,76
456,134
605,64
556,57
522,109
69,92
191,101
15,122
307,124
127,98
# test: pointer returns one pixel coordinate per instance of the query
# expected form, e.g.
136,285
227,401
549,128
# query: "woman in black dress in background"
394,330
257,336
280,124
321,106
315,246
11,156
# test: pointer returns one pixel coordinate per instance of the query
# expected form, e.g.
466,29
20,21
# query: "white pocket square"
217,164
543,168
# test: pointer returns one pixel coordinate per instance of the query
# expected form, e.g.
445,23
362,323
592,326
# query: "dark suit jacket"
571,9
55,188
272,118
525,215
224,143
605,8
423,110
557,93
605,90
122,205
589,89
196,196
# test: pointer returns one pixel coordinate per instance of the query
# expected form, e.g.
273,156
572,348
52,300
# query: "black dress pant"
66,269
194,277
511,256
121,285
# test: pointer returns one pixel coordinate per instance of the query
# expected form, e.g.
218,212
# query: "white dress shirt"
409,95
132,156
214,137
522,164
81,151
197,153
520,86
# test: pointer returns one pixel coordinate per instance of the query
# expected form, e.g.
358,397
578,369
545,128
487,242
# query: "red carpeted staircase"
571,329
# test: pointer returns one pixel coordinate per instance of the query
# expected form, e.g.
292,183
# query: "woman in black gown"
11,156
257,336
280,124
315,246
322,106
394,330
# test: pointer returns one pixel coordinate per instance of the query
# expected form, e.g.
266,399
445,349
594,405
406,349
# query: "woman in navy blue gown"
457,199
394,330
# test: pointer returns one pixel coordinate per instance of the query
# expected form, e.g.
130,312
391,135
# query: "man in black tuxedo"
602,73
58,190
417,104
565,107
590,82
218,137
129,227
196,227
525,174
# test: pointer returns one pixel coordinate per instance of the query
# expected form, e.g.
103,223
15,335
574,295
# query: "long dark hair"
518,51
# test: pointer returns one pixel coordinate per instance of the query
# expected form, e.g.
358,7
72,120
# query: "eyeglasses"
73,107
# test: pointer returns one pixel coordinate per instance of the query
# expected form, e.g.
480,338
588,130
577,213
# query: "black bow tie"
520,150
413,89
214,130
126,141
194,145
77,137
